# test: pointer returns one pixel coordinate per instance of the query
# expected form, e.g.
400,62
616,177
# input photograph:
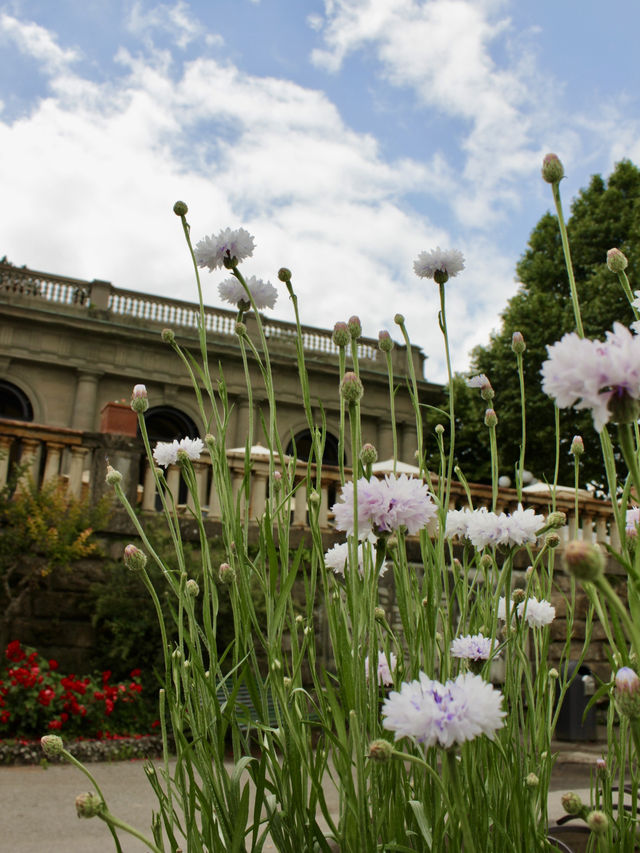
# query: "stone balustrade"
79,459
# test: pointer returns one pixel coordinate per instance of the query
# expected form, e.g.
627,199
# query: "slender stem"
112,820
567,258
461,805
624,282
523,440
73,760
392,410
627,445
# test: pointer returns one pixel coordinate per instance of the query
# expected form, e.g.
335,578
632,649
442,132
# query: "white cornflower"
228,245
537,613
483,528
447,261
165,453
523,526
193,447
473,647
263,292
386,667
336,558
430,712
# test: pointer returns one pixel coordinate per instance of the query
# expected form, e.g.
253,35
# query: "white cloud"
35,41
174,19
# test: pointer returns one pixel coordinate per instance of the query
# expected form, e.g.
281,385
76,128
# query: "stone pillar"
200,470
173,481
258,495
5,449
76,468
52,465
384,442
149,490
29,458
300,508
409,442
323,516
215,510
86,401
242,422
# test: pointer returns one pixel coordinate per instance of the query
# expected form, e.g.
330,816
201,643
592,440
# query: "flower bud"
314,498
168,336
517,343
392,542
399,319
379,614
180,208
583,560
355,327
518,596
139,401
552,169
134,559
556,519
486,562
553,674
380,750
531,781
284,274
286,682
601,766
597,822
627,693
192,588
351,388
226,573
490,418
439,429
616,260
113,477
276,666
241,329
385,342
552,540
210,441
368,454
340,334
51,745
571,803
89,805
577,446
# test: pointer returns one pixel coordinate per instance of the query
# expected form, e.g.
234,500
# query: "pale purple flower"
473,647
263,292
455,712
336,558
139,392
385,505
193,447
523,526
386,667
211,252
483,528
166,453
480,380
632,520
449,261
593,375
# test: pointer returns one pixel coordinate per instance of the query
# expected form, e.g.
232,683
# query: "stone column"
200,470
384,443
173,481
76,468
300,509
52,465
323,517
86,401
258,495
242,422
149,490
215,510
5,449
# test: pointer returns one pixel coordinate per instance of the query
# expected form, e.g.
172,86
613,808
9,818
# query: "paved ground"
37,807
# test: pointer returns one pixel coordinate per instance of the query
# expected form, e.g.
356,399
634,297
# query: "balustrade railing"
78,459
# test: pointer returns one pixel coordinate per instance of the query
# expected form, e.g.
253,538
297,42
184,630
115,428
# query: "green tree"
603,216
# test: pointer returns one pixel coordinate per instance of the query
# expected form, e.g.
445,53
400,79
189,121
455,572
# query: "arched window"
14,403
303,443
164,423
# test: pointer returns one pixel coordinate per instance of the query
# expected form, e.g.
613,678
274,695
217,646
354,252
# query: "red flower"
5,716
136,673
106,675
55,724
53,664
46,696
14,652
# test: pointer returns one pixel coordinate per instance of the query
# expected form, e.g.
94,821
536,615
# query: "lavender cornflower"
225,249
439,264
263,292
386,667
473,647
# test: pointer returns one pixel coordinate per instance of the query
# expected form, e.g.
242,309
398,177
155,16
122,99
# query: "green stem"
392,409
627,445
461,805
112,820
523,443
567,258
624,281
73,760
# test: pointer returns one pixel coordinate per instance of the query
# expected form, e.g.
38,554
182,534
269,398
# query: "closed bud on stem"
340,335
134,558
556,519
226,573
139,399
380,750
192,588
368,454
439,429
284,274
89,805
627,693
571,803
392,542
210,441
113,477
314,498
552,169
597,822
355,327
286,682
531,781
399,319
385,343
577,446
554,674
583,560
552,540
490,418
180,208
486,561
168,336
616,260
51,745
518,344
379,614
351,388
518,596
241,329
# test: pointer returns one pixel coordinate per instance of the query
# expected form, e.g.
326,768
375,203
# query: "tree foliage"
604,215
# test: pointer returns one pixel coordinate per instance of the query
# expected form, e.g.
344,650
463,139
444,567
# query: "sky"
347,136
